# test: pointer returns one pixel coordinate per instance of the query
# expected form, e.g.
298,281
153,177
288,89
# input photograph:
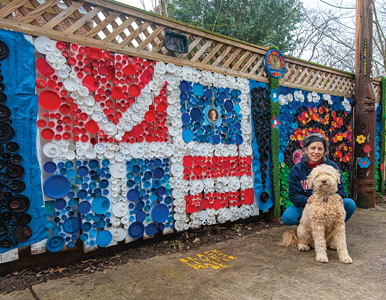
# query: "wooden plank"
83,20
135,33
191,46
249,63
8,256
221,57
119,29
241,60
150,38
102,24
39,248
201,51
212,53
38,11
258,64
63,15
10,8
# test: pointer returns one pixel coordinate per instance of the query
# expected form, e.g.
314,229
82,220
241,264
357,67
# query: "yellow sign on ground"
210,259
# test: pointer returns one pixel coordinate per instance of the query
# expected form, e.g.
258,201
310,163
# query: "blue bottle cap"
69,164
161,227
50,224
93,164
136,169
84,237
160,213
161,190
228,105
56,230
198,89
156,183
71,174
184,86
216,139
168,200
157,162
93,233
71,225
86,226
55,243
56,186
104,238
140,205
185,118
105,162
103,183
147,175
100,205
147,184
84,207
49,167
239,139
60,204
237,108
151,229
183,97
82,171
136,230
133,195
61,165
159,173
187,135
82,194
195,114
140,216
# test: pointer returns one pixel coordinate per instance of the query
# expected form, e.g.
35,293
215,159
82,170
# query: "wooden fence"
120,28
117,27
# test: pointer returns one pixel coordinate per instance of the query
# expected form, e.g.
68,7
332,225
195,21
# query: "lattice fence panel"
121,28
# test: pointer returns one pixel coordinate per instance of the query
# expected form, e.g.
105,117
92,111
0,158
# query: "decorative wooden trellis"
117,27
120,28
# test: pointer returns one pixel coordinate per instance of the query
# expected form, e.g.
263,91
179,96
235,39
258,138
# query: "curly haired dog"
322,222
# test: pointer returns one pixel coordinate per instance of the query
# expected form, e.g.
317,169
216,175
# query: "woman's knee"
350,207
292,215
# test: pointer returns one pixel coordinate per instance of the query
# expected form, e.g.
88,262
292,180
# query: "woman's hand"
310,199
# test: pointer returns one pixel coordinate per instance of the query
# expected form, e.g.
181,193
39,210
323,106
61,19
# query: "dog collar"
325,199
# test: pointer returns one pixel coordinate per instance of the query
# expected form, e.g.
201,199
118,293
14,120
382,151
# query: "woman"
315,150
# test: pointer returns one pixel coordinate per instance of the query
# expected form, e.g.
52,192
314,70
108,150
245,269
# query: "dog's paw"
304,247
345,259
322,258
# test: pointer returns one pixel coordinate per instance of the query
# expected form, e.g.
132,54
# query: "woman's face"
212,115
315,152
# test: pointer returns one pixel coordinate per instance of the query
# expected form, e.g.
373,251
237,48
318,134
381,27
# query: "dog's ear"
310,180
337,176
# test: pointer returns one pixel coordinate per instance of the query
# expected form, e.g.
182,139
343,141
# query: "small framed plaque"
176,42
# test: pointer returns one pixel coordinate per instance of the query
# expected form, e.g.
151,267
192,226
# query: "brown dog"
322,223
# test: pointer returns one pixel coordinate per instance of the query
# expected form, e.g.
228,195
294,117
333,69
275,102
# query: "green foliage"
284,197
175,244
255,21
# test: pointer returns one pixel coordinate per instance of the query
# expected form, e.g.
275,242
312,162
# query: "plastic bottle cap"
56,186
104,238
49,100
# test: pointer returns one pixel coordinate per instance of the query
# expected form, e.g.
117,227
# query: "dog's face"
324,178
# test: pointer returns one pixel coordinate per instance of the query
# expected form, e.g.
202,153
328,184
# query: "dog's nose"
324,181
